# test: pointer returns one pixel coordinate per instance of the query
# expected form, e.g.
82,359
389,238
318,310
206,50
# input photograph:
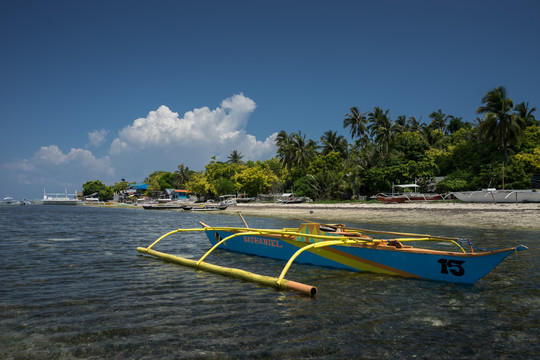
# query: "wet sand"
515,216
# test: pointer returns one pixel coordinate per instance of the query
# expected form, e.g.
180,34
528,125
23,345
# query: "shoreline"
523,216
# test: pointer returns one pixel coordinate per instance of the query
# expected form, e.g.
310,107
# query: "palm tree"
499,124
284,149
356,122
523,112
414,125
400,125
181,176
380,128
333,142
438,120
282,139
432,136
235,157
302,151
456,123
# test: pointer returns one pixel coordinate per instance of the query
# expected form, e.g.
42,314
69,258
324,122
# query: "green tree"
91,187
400,125
235,157
302,151
255,180
410,145
120,186
456,181
224,186
216,170
325,174
181,176
530,139
414,124
220,174
331,141
526,114
457,123
357,124
433,137
499,124
160,180
303,187
530,161
438,120
199,185
284,149
380,127
107,193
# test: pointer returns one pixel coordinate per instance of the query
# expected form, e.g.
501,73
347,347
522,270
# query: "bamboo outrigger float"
337,246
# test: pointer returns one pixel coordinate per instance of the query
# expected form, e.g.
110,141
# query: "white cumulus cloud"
170,139
164,128
97,137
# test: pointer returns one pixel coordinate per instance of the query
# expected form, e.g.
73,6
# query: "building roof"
138,186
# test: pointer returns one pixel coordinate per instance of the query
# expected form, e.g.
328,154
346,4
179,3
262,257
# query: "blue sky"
105,90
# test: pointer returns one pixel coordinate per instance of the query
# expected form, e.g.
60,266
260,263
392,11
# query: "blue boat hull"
455,267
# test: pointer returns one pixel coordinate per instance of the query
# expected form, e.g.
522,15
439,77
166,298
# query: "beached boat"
167,204
498,196
164,206
340,247
60,199
401,197
206,207
290,198
391,198
229,200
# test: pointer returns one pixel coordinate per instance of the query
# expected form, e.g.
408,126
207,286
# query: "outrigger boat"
402,197
206,207
499,196
341,247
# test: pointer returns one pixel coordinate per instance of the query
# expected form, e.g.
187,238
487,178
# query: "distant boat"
230,200
206,207
498,196
10,201
60,199
163,206
407,196
290,198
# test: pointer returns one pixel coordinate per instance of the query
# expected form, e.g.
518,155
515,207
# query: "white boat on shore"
60,199
498,196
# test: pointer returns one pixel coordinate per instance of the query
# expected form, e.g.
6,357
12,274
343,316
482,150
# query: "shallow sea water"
74,286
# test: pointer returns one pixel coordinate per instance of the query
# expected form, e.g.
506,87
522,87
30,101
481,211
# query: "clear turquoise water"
73,286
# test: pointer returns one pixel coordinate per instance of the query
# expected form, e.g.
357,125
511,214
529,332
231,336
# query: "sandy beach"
524,216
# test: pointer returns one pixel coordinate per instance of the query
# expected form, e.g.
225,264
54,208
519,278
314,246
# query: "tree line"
500,148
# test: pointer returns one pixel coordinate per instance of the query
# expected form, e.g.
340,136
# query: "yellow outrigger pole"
281,284
236,273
